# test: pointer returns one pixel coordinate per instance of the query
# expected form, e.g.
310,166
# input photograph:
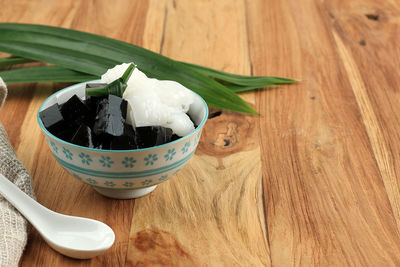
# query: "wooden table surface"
312,181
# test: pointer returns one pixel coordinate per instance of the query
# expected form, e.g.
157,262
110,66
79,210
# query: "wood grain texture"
54,188
312,181
214,202
372,26
325,189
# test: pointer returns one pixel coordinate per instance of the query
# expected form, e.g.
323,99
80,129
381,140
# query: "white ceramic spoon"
76,237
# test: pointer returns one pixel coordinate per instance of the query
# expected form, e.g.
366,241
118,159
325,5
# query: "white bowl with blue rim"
123,174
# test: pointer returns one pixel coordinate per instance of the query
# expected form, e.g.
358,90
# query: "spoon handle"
27,206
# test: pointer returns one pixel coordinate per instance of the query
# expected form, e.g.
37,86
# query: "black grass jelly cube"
110,118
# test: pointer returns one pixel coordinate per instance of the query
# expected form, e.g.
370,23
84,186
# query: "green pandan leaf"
45,74
84,55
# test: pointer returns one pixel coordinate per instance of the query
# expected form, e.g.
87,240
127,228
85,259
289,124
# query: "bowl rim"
198,128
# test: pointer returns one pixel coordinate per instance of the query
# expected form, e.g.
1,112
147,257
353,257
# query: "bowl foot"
124,194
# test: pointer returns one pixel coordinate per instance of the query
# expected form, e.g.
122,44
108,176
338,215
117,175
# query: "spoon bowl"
75,237
79,238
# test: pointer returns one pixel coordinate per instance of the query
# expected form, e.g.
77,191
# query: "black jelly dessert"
75,111
149,136
99,121
83,136
110,116
176,137
52,118
67,133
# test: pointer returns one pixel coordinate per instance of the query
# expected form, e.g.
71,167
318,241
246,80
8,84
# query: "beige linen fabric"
13,227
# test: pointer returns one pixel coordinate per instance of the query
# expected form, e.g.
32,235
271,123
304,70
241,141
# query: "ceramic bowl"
123,174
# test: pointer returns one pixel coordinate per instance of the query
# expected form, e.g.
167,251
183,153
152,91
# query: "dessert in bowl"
123,173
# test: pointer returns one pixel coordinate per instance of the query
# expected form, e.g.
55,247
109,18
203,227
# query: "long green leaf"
241,88
91,43
7,61
45,74
64,57
218,97
37,75
83,55
256,81
133,50
60,74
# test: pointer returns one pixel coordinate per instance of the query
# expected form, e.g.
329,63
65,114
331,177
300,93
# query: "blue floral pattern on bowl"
109,183
85,158
91,181
129,162
55,148
147,182
170,154
150,159
68,154
162,178
106,161
128,184
185,148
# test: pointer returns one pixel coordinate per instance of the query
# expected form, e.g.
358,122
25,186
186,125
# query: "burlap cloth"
13,227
